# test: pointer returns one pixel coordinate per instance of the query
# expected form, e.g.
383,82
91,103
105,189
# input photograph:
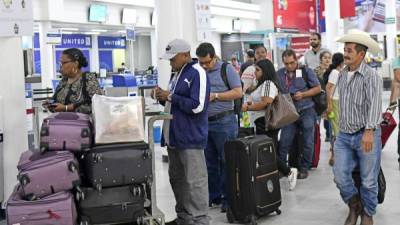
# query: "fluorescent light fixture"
67,32
122,31
99,30
69,28
92,33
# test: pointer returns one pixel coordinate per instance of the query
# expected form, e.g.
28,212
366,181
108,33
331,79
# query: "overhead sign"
295,16
203,19
16,18
75,41
112,42
53,38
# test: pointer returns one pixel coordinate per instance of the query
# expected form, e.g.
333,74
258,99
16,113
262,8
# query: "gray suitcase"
118,164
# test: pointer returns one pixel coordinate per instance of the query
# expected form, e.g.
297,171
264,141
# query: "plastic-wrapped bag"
118,119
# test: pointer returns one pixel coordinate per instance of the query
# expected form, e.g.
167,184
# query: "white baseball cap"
174,47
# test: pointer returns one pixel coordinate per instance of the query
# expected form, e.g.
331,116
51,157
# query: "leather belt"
220,115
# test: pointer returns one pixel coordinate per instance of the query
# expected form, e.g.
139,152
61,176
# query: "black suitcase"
252,178
118,165
111,205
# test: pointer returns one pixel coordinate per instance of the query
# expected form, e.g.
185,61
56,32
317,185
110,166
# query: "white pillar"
153,44
12,90
391,29
47,61
332,21
94,55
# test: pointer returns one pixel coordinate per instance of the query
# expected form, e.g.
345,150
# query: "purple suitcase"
56,209
66,131
44,174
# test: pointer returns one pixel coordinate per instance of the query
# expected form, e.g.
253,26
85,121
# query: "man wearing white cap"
359,139
186,134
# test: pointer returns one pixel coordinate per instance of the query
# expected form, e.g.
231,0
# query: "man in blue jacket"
186,134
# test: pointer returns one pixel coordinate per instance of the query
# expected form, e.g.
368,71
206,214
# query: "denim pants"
306,123
219,131
348,154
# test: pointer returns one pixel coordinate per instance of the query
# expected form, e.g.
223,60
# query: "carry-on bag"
44,174
66,131
118,164
388,125
112,205
55,209
118,119
252,178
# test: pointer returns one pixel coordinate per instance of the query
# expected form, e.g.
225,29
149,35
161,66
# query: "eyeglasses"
204,63
63,63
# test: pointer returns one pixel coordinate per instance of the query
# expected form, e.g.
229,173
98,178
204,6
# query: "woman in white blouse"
264,90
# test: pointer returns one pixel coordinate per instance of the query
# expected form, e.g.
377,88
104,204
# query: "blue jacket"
189,103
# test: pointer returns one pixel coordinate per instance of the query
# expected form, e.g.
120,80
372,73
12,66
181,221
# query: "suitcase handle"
49,214
67,116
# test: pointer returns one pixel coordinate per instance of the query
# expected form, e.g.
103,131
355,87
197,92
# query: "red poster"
295,16
300,45
347,8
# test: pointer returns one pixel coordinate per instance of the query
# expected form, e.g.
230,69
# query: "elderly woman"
75,90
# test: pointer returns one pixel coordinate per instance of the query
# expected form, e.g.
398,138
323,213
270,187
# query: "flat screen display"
97,13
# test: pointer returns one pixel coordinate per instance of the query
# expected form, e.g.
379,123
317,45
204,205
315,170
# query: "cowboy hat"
360,37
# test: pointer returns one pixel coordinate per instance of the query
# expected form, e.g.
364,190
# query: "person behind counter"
76,88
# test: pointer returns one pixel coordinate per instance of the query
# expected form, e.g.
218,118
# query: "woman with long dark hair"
331,76
264,93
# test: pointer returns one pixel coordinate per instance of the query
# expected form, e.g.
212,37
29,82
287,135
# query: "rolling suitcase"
112,205
44,174
253,186
55,209
118,165
66,131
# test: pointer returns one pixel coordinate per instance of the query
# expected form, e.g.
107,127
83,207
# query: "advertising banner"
112,42
295,16
300,45
75,41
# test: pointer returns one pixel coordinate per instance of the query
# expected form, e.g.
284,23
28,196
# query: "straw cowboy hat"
360,37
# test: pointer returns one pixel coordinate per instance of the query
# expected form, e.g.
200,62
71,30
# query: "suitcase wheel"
84,222
99,187
140,221
278,211
229,215
72,167
85,133
80,196
253,220
24,180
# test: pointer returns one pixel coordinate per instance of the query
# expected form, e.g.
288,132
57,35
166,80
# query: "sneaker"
292,178
173,222
302,175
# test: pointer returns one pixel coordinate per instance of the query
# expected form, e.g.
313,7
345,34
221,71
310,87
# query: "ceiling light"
69,28
92,33
67,32
122,31
99,30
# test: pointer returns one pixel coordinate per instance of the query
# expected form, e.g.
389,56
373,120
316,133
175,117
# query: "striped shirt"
360,99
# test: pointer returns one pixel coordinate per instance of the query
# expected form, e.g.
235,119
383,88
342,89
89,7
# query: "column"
391,29
47,61
333,24
94,55
13,107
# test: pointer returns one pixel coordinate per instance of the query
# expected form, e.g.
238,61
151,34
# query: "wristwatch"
216,96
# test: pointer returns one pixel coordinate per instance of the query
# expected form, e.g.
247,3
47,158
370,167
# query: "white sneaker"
292,178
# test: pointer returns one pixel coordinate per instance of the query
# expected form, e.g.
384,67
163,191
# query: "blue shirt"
218,86
292,84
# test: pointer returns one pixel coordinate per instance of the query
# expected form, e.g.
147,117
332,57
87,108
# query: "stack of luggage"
71,179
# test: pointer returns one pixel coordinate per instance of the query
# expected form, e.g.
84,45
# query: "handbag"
280,112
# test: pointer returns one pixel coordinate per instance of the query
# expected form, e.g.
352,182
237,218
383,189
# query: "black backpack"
237,103
320,103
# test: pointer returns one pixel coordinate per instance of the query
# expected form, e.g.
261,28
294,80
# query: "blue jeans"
219,131
306,123
349,154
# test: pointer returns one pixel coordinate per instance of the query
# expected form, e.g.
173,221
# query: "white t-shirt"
350,75
267,89
333,78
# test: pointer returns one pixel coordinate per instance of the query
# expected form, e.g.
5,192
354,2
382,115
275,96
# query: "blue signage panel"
85,53
106,60
75,41
36,57
112,42
36,42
